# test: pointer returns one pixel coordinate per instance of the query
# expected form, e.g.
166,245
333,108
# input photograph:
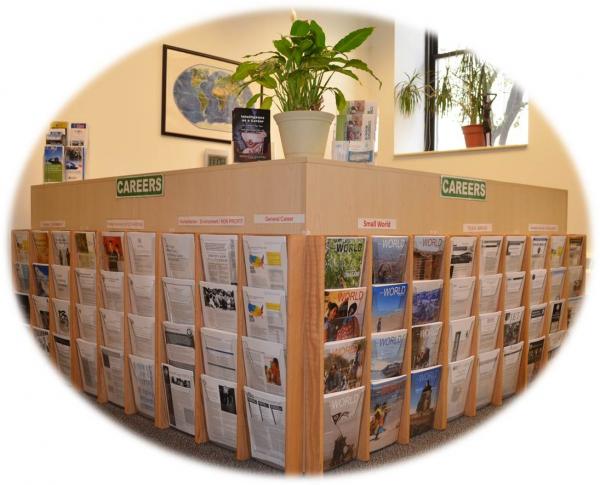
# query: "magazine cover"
54,157
387,354
113,251
459,380
427,299
251,133
341,424
425,345
424,389
534,358
461,259
41,272
428,257
42,246
85,242
344,312
512,325
389,303
387,398
557,250
343,364
74,163
389,259
344,258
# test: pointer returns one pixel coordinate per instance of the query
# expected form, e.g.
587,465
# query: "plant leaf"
299,28
244,70
267,103
252,100
319,34
283,46
340,101
361,65
267,82
353,39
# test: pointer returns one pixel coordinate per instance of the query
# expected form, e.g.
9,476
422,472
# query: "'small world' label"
140,186
462,188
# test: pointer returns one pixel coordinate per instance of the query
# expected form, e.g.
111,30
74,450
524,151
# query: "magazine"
42,246
510,371
54,160
344,257
557,278
141,253
179,300
461,259
489,292
266,314
74,163
86,319
344,313
459,338
554,342
387,354
575,251
424,390
557,250
24,306
534,358
220,409
85,243
537,286
556,311
387,400
486,376
42,336
489,258
537,314
42,285
514,253
459,381
251,134
219,306
427,299
62,253
513,292
388,306
178,386
141,295
141,333
62,316
219,351
573,309
56,136
112,290
86,286
425,345
179,342
575,275
219,258
513,319
112,244
63,354
461,297
112,328
112,365
428,257
78,134
61,281
266,426
389,259
21,245
22,272
266,261
142,381
343,364
40,303
88,357
265,365
489,325
341,425
179,254
539,245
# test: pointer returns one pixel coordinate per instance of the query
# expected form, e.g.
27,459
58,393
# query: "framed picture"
198,96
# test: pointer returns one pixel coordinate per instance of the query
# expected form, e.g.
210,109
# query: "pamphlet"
179,342
40,303
344,312
112,290
387,354
575,251
490,248
514,284
62,253
112,328
459,380
266,261
573,308
220,409
75,163
219,306
141,332
21,245
575,275
179,254
424,390
389,259
113,367
388,306
63,354
142,381
427,299
78,134
22,272
344,257
266,314
219,351
112,242
179,300
24,306
141,294
511,364
515,251
426,345
42,246
486,376
141,253
88,357
556,311
513,319
461,259
489,325
251,133
554,342
537,317
178,385
219,258
62,316
557,250
343,364
42,336
461,297
489,292
54,160
61,281
459,338
534,358
387,399
539,244
85,242
265,365
86,318
557,278
42,286
428,257
537,285
86,286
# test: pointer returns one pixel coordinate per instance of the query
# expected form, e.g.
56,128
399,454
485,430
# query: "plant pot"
304,133
474,136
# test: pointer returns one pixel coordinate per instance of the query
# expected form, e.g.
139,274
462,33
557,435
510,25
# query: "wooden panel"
73,327
471,403
161,418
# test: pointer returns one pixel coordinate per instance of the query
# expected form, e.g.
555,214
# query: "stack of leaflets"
356,133
65,151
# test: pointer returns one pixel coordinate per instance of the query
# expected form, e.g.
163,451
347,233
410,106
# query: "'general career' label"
140,186
462,188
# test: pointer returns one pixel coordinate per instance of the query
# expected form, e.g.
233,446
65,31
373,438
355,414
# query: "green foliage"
300,69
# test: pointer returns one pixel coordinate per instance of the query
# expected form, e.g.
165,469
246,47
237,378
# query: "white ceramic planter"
304,133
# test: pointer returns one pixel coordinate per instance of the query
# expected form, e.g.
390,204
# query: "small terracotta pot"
474,136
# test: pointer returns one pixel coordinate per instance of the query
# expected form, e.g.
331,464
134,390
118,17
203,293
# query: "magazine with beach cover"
428,257
344,313
344,257
387,399
343,364
424,390
388,306
389,259
387,354
426,345
427,299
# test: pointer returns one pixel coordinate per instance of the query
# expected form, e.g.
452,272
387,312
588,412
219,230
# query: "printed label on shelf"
211,221
125,224
278,218
543,228
52,224
375,223
151,185
474,227
462,188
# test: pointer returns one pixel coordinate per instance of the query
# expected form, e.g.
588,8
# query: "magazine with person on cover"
389,259
387,354
343,364
251,133
344,257
424,390
344,313
428,257
388,306
112,243
461,258
426,345
387,399
427,299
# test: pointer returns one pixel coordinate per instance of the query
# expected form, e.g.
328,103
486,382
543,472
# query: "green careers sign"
462,188
140,186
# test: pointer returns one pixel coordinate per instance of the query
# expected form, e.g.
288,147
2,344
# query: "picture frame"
197,100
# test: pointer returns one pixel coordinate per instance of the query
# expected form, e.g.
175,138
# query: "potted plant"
297,75
467,87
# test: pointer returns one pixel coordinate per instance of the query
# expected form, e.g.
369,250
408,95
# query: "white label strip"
125,224
543,227
52,224
211,221
373,223
481,227
278,218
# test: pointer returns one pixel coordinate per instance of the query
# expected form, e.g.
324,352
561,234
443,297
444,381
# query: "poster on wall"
198,96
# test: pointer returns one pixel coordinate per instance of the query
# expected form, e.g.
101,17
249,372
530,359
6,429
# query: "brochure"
343,364
40,303
62,316
265,365
179,251
251,134
344,257
513,319
424,390
86,286
220,410
554,342
513,292
179,342
575,251
459,338
514,253
489,325
21,246
178,386
489,292
141,253
88,357
22,272
537,317
344,313
490,248
557,250
61,281
389,259
75,163
112,365
54,160
219,306
557,278
63,355
387,354
42,285
534,358
219,351
112,290
142,381
266,314
461,259
428,257
427,299
112,328
425,345
575,275
141,333
387,399
141,295
42,246
266,261
537,286
219,258
461,297
85,243
62,253
86,318
556,311
573,308
42,336
388,306
179,300
510,372
539,244
459,380
112,243
486,376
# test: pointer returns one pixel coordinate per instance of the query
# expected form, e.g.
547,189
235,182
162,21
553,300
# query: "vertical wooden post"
471,403
32,314
161,419
441,411
499,383
526,302
102,390
128,395
73,327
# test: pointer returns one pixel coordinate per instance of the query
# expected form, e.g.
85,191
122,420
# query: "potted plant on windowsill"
298,74
466,87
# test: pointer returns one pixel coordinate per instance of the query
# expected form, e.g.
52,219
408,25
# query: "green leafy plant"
299,71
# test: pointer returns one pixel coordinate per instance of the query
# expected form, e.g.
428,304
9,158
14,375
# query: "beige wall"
122,108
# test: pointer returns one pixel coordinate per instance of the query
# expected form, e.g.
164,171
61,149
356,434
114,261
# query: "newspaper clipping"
219,306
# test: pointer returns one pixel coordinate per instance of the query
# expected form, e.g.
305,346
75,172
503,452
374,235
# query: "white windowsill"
459,151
